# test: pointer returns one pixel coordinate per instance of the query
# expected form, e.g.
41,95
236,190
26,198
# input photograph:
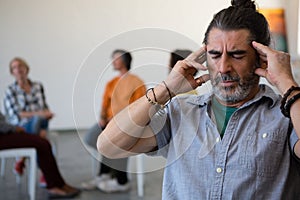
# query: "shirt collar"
16,85
265,92
201,100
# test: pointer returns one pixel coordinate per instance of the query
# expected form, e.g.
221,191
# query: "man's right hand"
181,79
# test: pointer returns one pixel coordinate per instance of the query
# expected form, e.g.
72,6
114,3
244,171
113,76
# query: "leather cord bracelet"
169,92
170,95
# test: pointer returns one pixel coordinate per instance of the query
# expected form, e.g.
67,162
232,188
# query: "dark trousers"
46,160
116,167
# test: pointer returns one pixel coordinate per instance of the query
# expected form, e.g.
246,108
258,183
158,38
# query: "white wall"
293,20
298,29
68,44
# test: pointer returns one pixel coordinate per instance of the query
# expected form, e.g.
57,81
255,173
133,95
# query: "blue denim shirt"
252,161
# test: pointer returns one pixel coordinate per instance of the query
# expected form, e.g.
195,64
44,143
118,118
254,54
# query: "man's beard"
234,94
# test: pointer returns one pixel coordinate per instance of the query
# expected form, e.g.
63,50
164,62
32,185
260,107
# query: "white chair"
22,152
52,137
140,174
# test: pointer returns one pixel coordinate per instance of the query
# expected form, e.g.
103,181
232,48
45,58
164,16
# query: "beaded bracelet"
151,101
284,98
155,100
289,103
148,98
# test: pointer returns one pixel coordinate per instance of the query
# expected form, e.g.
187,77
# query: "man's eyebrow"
214,52
239,52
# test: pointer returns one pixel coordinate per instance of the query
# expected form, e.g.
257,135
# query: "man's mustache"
226,77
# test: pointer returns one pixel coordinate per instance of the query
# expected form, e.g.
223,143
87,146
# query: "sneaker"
42,181
92,184
19,167
112,185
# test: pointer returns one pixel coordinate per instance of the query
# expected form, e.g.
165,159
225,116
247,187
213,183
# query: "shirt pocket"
261,152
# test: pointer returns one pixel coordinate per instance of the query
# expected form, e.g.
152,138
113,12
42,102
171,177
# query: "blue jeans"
35,124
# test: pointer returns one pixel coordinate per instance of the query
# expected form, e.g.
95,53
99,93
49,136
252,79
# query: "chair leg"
2,170
30,153
95,156
140,175
32,176
3,165
18,179
94,166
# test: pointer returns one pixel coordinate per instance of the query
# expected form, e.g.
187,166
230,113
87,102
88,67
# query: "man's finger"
261,72
263,58
201,59
198,56
262,49
195,64
202,79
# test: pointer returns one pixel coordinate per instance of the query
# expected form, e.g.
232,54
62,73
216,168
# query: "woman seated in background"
25,105
15,137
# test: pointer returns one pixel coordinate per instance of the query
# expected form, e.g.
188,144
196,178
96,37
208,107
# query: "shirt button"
218,139
264,135
219,170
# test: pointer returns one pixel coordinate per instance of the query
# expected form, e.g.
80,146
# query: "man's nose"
225,64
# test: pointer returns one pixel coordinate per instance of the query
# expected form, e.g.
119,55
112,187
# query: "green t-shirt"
222,115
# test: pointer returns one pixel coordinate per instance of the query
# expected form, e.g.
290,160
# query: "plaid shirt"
16,100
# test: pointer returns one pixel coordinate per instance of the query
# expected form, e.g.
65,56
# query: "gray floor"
76,166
